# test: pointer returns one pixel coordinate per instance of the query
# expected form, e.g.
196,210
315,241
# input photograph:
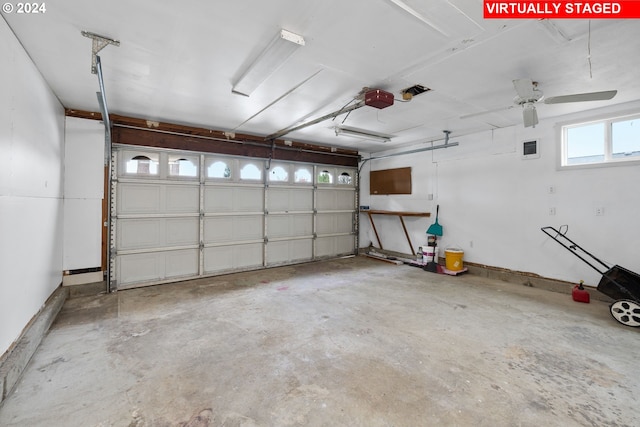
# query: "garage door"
178,216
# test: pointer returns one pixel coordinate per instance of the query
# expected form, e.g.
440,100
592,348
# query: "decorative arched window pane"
344,178
181,166
325,177
142,165
302,175
278,173
251,172
219,169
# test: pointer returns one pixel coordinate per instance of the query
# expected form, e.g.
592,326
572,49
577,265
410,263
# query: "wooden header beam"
135,131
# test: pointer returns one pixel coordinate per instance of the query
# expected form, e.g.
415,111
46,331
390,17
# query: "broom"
434,229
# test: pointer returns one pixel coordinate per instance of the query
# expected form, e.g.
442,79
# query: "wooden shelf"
399,214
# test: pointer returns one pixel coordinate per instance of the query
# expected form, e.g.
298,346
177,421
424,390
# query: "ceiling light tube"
275,54
362,134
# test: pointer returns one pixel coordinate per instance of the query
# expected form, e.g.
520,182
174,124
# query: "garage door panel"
345,244
288,251
182,198
290,199
248,199
154,233
294,225
335,245
182,231
345,199
227,229
138,198
233,199
136,268
216,199
138,233
335,200
227,258
157,198
329,223
326,200
181,263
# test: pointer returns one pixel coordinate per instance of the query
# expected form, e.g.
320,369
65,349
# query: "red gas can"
579,293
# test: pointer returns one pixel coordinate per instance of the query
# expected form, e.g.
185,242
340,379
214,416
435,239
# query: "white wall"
83,190
31,189
493,203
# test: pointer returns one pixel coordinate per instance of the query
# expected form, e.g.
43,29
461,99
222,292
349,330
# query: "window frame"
608,121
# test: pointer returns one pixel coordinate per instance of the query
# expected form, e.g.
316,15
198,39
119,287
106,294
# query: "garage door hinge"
266,239
315,236
201,214
266,212
201,245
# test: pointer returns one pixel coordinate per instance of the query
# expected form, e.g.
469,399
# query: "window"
278,173
219,169
605,141
302,175
142,164
344,178
325,177
251,172
181,166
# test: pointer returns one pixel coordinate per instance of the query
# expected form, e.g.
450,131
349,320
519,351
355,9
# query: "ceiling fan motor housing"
378,98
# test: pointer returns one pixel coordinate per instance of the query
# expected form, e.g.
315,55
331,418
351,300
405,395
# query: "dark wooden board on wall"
390,181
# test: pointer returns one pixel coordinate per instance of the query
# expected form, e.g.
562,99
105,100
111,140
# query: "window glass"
219,169
585,144
143,164
344,178
625,139
325,177
182,166
278,173
250,172
302,175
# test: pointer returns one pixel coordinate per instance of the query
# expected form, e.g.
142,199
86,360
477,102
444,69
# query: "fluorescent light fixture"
362,134
275,54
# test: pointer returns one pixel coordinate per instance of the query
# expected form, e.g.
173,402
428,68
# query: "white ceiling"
178,61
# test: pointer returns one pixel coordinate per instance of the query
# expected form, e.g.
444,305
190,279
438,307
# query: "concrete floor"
350,342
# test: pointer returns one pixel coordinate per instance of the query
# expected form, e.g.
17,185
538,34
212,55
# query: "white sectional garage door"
177,216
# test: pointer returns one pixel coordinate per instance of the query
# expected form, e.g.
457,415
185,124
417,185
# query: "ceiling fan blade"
529,115
581,97
524,88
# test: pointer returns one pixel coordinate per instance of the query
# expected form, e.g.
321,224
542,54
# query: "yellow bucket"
453,259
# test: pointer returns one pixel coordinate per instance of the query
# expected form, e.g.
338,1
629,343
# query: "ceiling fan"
528,95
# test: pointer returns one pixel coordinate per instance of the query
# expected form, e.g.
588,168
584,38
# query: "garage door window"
183,167
219,169
278,174
325,177
302,176
251,172
142,164
345,179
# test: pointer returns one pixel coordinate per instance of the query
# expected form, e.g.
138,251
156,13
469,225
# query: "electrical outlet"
552,211
599,211
551,189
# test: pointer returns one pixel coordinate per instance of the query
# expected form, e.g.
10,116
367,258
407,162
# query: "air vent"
412,91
